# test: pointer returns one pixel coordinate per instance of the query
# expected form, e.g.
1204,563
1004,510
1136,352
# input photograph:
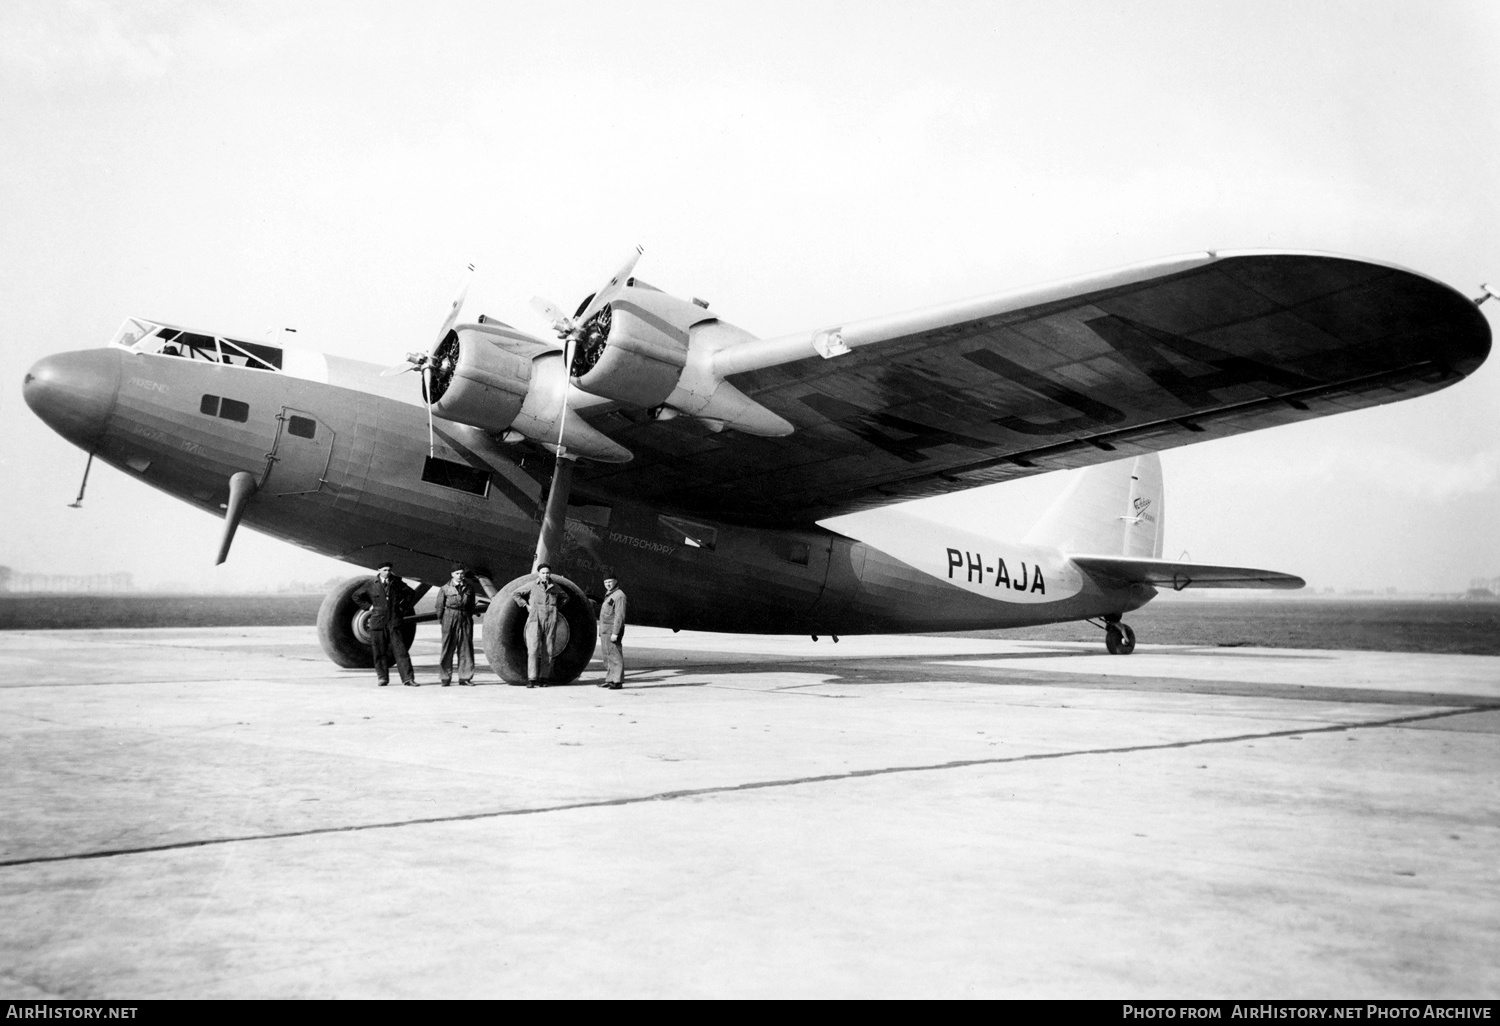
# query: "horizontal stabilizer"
1175,575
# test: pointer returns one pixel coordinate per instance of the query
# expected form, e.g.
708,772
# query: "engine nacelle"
500,380
653,350
482,378
634,350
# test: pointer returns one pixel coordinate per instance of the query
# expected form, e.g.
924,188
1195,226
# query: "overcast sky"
333,167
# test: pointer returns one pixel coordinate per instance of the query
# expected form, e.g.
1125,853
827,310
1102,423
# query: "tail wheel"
505,634
343,629
1119,639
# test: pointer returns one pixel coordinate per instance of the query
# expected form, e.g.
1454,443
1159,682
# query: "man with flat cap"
389,601
543,600
455,610
612,633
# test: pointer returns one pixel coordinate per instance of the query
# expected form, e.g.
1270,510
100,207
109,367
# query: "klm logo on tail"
1141,504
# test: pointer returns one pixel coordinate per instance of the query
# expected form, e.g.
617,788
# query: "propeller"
423,362
570,329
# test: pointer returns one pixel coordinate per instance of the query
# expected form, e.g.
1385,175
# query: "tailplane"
1113,509
1110,519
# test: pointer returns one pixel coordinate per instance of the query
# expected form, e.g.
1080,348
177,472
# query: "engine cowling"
481,378
635,349
500,380
653,350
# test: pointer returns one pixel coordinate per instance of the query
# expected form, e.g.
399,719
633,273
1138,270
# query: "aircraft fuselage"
340,460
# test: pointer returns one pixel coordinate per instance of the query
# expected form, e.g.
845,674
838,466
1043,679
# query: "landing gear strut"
574,637
505,621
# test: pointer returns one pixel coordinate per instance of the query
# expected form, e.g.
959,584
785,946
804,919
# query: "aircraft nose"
75,393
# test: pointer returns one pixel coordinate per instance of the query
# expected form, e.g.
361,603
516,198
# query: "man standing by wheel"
455,611
542,600
612,634
389,601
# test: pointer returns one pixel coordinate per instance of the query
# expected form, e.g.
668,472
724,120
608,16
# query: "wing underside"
1233,343
1166,573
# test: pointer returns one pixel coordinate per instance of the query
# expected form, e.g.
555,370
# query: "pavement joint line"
757,785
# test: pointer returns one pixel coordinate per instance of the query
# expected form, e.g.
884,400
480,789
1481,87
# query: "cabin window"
459,476
226,409
302,427
689,532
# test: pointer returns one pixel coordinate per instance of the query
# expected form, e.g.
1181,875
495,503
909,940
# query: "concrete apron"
219,812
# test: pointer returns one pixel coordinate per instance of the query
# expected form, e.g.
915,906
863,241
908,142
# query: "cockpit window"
185,343
250,354
143,336
131,332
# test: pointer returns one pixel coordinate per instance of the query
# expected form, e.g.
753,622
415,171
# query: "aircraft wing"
1172,574
1050,378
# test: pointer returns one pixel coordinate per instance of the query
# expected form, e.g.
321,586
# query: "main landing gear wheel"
1119,639
343,630
505,634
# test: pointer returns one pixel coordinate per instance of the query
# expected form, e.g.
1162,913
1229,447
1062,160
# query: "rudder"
1113,509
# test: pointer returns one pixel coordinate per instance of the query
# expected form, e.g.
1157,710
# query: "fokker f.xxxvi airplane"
695,460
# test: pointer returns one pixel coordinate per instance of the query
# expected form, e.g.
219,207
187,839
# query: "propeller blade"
569,344
551,313
548,309
414,361
610,290
458,303
427,398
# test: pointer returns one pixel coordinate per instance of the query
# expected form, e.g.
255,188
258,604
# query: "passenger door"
299,459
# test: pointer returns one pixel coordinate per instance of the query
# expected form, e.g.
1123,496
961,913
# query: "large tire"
1119,639
505,634
342,631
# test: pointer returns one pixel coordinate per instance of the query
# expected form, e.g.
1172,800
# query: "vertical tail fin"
1114,509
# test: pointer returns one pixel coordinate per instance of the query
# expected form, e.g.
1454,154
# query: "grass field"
1436,626
1471,628
58,612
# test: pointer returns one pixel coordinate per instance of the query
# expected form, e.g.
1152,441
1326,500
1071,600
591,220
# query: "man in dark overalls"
389,601
543,600
612,634
455,610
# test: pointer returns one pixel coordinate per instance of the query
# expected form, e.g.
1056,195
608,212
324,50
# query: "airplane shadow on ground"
899,670
667,669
